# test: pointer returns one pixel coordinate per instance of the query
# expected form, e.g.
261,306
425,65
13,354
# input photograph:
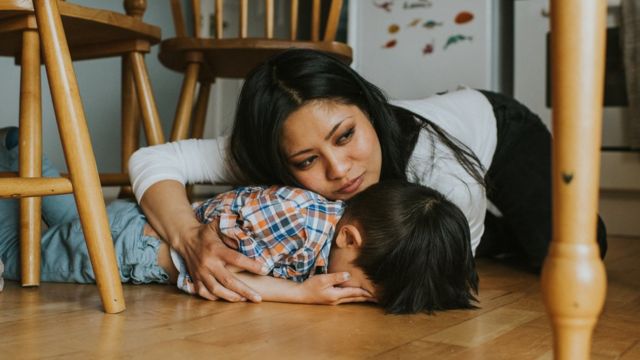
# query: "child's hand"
323,289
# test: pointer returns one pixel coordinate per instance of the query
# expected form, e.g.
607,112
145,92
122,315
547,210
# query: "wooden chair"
90,33
573,276
205,59
95,33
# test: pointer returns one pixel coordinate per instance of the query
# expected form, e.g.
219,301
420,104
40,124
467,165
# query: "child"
404,243
390,238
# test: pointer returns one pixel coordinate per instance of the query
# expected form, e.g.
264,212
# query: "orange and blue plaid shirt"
288,229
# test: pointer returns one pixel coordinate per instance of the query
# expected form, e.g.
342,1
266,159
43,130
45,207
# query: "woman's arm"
187,161
158,176
168,211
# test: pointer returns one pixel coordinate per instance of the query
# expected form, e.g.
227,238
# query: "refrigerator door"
413,49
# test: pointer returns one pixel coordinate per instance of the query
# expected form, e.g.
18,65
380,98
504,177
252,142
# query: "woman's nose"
337,167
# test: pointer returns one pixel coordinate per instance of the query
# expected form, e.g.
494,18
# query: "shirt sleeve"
187,161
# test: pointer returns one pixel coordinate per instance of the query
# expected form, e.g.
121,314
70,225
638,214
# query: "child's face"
344,251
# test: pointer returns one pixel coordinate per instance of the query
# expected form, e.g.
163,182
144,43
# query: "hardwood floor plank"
421,350
632,353
484,328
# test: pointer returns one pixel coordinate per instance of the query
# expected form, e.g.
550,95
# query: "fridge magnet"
393,28
453,39
430,24
386,6
390,44
429,48
421,4
463,17
414,23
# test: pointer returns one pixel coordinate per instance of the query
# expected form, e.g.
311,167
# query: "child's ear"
348,236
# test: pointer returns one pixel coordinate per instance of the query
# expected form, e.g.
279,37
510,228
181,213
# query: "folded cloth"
184,282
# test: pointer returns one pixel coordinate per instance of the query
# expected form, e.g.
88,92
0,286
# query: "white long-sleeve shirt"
465,114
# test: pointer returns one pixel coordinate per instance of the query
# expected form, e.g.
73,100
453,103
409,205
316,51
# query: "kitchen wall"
99,82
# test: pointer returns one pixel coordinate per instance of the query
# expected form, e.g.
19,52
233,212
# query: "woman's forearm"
168,210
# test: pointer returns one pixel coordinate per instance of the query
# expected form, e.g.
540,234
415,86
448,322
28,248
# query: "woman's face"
332,149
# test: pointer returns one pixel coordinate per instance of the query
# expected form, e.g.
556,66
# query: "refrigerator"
413,49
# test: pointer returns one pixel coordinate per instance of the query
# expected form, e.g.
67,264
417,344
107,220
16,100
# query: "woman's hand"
169,212
323,289
208,259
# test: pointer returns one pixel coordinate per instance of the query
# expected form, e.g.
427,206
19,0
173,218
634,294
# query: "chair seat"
234,58
91,33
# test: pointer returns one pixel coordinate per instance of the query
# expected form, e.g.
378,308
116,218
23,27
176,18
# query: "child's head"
411,245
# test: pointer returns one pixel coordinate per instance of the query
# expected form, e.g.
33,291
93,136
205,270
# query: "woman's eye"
305,163
346,136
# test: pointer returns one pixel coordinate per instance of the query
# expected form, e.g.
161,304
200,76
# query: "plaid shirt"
287,229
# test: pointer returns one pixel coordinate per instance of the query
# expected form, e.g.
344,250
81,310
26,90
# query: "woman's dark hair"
416,248
285,82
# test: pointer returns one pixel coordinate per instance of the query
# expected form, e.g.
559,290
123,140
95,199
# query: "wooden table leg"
200,112
130,120
150,117
185,104
79,154
573,276
30,157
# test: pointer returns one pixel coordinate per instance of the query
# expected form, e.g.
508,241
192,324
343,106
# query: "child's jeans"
64,253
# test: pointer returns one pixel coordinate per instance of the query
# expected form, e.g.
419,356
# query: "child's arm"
318,289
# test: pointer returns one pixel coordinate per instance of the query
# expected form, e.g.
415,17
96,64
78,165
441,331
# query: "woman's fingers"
210,257
202,290
229,287
221,293
238,260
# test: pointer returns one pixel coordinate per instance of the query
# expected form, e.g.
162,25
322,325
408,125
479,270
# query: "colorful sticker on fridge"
420,4
453,39
386,5
463,17
390,44
429,48
430,24
393,28
414,22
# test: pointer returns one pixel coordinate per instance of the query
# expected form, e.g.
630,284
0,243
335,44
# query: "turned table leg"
573,276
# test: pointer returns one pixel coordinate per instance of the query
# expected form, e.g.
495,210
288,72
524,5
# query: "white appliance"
532,68
620,168
413,49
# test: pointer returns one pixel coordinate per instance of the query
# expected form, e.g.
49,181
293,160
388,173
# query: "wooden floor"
65,321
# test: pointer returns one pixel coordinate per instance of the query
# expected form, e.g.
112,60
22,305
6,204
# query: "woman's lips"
352,186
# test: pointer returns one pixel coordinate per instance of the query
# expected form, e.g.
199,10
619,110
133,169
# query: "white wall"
99,82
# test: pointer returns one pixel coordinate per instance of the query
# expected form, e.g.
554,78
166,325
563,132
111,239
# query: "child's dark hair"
416,248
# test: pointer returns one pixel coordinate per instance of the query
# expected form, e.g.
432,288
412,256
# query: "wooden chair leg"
130,120
30,149
79,154
185,105
200,113
150,117
573,276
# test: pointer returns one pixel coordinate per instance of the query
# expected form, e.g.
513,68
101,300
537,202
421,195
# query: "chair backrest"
330,28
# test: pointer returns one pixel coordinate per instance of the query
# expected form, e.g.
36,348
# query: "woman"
305,119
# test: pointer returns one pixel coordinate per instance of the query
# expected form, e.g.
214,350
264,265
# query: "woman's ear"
348,237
